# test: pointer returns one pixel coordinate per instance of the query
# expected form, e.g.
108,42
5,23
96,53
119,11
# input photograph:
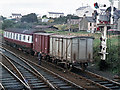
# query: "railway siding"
53,80
10,80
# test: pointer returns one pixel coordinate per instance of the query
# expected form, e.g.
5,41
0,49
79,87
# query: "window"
10,35
94,29
4,34
14,36
90,24
20,37
7,34
28,38
90,28
86,11
23,37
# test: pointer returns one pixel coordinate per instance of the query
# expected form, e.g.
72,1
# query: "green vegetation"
70,33
8,24
30,18
63,19
1,31
113,49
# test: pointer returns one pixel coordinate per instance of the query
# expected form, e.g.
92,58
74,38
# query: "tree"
7,24
30,18
44,16
69,16
3,18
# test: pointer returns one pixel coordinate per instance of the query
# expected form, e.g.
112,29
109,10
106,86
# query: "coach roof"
24,31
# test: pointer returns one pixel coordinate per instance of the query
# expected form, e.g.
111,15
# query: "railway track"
33,80
95,79
9,81
55,81
99,80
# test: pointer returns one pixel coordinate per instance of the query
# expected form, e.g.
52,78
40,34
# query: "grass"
62,32
1,31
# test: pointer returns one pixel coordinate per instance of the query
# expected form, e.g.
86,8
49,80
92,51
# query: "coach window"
20,37
23,37
7,34
28,38
4,34
16,36
10,35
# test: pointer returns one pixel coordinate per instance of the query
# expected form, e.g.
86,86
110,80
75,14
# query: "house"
88,23
16,16
119,5
45,19
1,21
84,10
74,21
119,24
55,14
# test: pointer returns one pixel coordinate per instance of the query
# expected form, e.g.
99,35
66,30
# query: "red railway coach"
41,42
20,38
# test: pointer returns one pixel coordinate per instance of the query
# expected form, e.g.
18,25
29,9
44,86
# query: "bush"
113,50
8,24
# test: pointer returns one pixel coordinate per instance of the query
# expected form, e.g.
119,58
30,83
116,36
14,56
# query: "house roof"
14,14
117,13
90,19
55,13
82,8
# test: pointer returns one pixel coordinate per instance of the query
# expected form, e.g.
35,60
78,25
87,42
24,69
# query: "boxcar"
71,49
41,42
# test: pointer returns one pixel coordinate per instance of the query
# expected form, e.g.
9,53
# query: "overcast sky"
7,7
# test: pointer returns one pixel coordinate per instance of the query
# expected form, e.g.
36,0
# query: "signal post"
103,24
103,41
103,45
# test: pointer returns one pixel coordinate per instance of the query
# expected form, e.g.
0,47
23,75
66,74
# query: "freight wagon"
71,50
41,43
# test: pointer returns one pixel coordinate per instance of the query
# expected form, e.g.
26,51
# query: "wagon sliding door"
75,49
82,49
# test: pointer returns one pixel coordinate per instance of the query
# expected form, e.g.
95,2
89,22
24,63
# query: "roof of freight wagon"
66,36
24,31
46,34
62,36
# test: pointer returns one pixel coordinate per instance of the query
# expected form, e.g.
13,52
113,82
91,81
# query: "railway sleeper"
104,82
115,87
